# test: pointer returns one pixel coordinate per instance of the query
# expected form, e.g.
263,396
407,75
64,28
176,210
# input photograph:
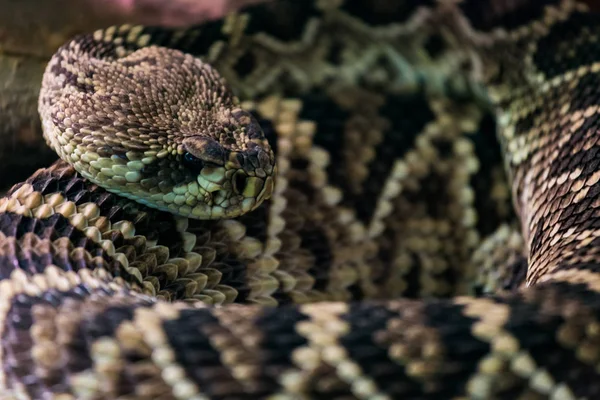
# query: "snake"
313,200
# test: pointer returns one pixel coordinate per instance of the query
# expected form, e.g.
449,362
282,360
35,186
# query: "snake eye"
193,163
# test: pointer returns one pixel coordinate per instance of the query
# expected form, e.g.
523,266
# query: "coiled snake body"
159,270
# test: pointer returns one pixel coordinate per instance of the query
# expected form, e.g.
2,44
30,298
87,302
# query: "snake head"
157,126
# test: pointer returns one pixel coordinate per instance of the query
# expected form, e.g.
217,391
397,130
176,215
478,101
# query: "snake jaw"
218,192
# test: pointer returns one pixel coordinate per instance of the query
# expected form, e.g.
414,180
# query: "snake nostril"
239,182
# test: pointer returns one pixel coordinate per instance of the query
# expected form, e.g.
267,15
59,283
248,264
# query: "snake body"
389,213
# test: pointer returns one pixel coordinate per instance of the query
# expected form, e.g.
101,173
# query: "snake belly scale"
308,200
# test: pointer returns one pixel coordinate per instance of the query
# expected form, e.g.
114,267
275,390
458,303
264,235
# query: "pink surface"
170,12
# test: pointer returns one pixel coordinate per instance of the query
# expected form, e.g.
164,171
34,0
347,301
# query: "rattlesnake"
386,186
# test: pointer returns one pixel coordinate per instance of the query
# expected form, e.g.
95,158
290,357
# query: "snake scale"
314,200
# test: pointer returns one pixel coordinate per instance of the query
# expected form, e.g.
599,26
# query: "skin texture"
388,188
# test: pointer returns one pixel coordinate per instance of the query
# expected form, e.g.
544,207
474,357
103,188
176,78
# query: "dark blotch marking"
388,243
284,20
316,241
71,79
435,45
462,351
568,263
397,140
245,64
104,324
390,377
16,346
330,134
190,337
279,339
252,127
556,52
256,222
533,325
335,53
298,184
52,228
210,33
527,123
489,15
383,12
488,150
17,343
433,193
